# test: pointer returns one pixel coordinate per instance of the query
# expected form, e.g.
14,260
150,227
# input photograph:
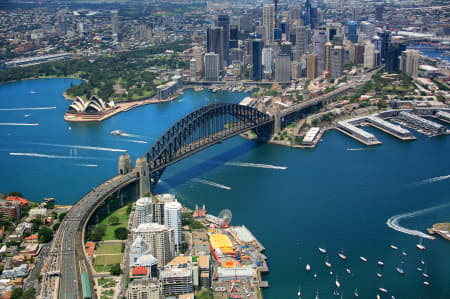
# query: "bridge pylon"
143,174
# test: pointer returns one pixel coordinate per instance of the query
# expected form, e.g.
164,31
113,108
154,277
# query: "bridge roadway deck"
67,252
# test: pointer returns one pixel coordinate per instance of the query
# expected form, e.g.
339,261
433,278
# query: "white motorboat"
363,259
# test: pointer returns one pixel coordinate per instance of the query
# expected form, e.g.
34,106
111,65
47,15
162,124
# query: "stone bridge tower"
143,175
125,165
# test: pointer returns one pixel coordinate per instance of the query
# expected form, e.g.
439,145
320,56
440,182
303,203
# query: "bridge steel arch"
200,129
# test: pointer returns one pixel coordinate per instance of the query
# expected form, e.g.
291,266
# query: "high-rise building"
147,288
369,55
172,219
269,22
328,47
356,14
233,37
267,59
352,35
143,211
212,63
311,66
296,70
257,45
145,33
177,277
301,42
392,59
215,43
410,62
158,202
236,54
160,240
337,61
358,54
193,69
367,28
115,24
247,22
333,29
283,68
286,48
379,10
224,22
320,39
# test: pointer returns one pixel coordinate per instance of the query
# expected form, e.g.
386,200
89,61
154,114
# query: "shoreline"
44,77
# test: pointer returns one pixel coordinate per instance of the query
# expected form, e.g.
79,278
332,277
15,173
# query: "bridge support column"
276,120
121,198
144,178
96,218
108,210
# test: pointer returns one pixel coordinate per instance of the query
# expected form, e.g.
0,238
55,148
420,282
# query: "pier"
389,128
353,131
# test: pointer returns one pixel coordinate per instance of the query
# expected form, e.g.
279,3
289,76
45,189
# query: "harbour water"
293,200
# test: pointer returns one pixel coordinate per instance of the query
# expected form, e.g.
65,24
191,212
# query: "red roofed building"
31,239
199,213
18,199
90,247
139,272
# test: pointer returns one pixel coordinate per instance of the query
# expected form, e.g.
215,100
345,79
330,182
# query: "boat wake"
18,124
88,165
37,155
257,165
355,149
132,135
26,109
94,148
136,141
213,184
394,221
433,180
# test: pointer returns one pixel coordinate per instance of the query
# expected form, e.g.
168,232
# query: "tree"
44,235
15,193
115,269
121,233
17,293
113,220
29,294
61,216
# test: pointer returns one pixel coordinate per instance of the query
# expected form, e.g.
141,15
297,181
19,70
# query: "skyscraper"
257,45
115,24
301,42
215,43
247,22
369,55
172,219
410,62
160,240
352,31
336,61
233,38
212,63
224,22
320,39
311,66
392,59
328,47
379,10
269,22
267,59
143,211
283,68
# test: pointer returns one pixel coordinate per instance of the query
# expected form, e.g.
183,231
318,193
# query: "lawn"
108,249
103,263
123,222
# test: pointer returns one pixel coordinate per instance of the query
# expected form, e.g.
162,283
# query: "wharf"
442,229
404,138
359,139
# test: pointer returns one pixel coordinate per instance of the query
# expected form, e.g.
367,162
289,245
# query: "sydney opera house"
95,106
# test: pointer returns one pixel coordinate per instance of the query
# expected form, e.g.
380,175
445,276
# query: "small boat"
348,271
299,293
342,256
180,100
420,246
394,247
336,293
322,250
315,275
424,274
317,294
383,290
32,91
379,275
422,262
308,267
327,263
380,263
117,132
400,270
26,115
404,253
363,259
426,283
70,128
338,284
331,273
378,296
356,293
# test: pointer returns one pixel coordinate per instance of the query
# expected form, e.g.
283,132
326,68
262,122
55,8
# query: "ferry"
426,283
400,270
117,132
394,247
308,267
383,290
322,250
380,263
363,259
